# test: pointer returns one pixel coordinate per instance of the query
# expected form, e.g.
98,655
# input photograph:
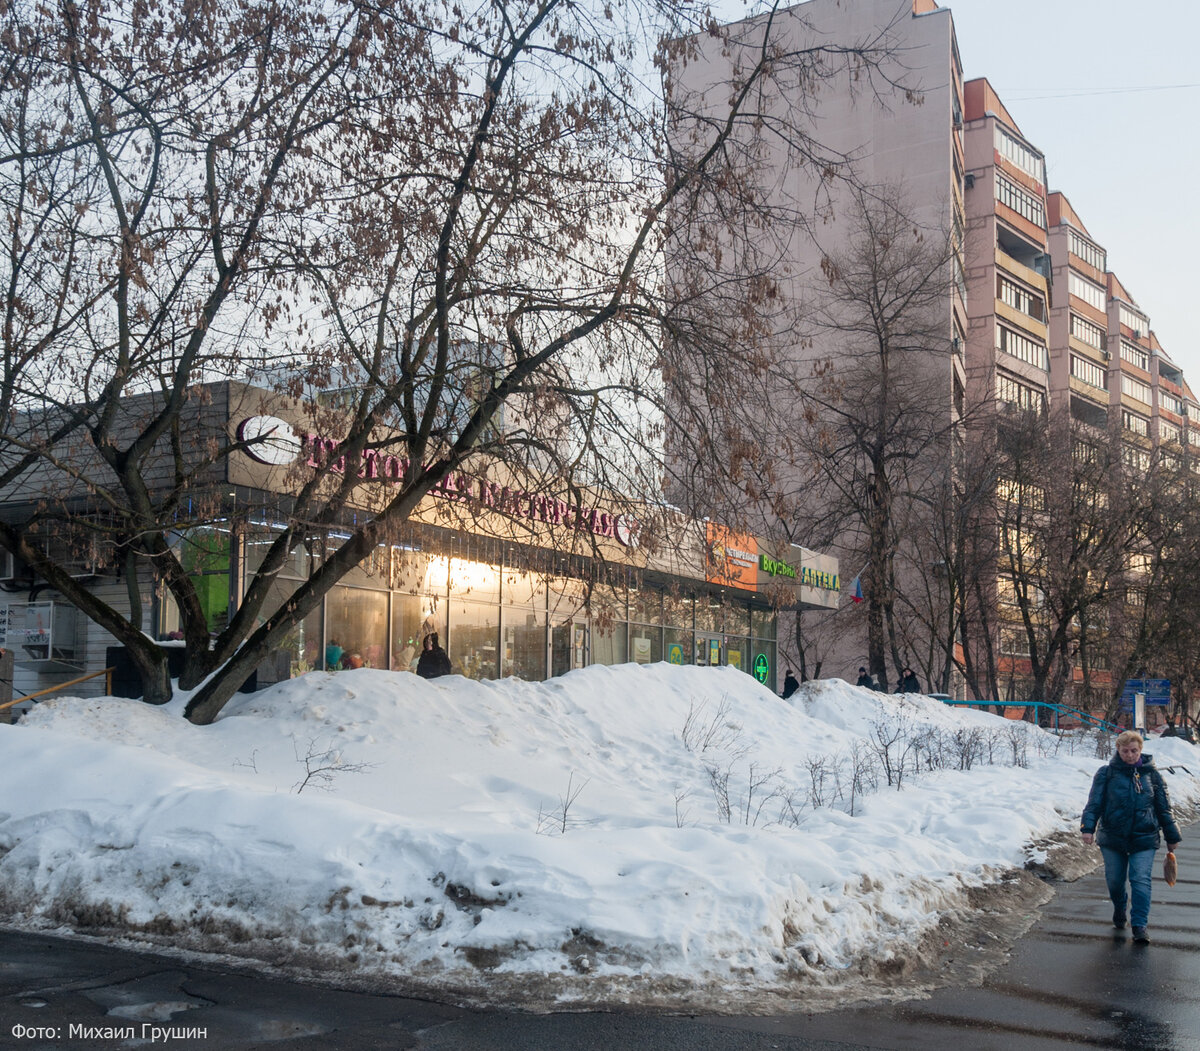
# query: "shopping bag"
1170,869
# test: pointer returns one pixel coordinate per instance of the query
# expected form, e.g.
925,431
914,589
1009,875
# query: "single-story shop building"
515,582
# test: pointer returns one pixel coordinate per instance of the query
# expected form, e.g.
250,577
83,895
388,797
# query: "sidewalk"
1071,982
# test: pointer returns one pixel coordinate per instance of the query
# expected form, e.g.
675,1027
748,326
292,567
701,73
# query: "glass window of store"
608,621
678,637
737,634
523,625
474,619
645,627
762,646
205,553
418,604
569,629
357,626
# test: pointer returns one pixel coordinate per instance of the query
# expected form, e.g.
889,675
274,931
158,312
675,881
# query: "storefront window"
609,644
298,565
737,652
710,613
408,619
474,639
524,653
474,580
678,611
737,618
763,623
357,626
300,651
645,644
645,605
678,648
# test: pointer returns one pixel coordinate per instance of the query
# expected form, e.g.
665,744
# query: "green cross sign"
761,668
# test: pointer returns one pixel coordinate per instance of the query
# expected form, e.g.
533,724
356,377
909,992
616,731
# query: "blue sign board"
1157,691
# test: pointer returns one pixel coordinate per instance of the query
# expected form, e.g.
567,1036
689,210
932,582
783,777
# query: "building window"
1020,201
1085,290
1134,321
1009,341
1020,298
1087,371
1135,459
1131,421
1135,355
1020,155
1167,431
1090,253
1170,402
1135,388
1017,395
1086,332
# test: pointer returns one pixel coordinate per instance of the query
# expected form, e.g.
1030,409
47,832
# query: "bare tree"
456,218
873,438
1068,520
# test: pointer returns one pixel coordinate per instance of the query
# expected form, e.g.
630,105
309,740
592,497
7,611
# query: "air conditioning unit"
1137,333
12,569
1105,355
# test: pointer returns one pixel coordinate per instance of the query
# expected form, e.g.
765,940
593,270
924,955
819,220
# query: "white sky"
1108,91
438,834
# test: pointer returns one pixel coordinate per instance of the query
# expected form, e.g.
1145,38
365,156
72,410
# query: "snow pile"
654,834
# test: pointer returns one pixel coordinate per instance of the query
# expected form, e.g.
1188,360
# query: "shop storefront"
515,583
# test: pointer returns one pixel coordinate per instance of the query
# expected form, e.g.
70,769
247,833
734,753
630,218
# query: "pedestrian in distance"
790,685
333,655
864,679
908,682
1126,807
434,661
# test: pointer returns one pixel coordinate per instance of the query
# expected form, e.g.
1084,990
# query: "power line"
1084,93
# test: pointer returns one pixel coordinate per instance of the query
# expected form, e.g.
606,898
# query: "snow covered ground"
650,835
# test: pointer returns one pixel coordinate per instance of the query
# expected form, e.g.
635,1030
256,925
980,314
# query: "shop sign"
762,668
732,558
818,578
275,443
775,567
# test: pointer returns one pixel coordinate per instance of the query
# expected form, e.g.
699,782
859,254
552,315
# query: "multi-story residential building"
1035,318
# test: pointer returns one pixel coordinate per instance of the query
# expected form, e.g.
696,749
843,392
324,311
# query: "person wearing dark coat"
790,685
433,661
864,679
1126,807
908,683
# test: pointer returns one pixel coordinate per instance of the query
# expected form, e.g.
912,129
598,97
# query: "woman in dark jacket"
433,661
1129,804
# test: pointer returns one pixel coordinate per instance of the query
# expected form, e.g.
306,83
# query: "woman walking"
1129,804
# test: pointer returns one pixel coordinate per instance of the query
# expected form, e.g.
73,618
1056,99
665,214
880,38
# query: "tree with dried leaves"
457,217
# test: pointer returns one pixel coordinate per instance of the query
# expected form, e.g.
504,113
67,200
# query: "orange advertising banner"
732,558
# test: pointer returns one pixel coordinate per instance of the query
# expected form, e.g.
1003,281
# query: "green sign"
762,668
675,653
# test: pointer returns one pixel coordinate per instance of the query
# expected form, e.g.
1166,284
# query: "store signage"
762,668
732,557
269,440
775,568
276,443
818,578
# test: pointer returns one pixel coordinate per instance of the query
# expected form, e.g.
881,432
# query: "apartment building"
1035,320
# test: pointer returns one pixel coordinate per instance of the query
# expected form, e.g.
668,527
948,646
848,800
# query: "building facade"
516,583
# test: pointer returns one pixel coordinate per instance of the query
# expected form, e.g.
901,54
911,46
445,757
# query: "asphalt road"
1070,982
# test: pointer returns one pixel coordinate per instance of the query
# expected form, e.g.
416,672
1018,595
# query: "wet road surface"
1071,982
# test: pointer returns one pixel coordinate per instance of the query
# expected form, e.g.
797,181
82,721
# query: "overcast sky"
1106,90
